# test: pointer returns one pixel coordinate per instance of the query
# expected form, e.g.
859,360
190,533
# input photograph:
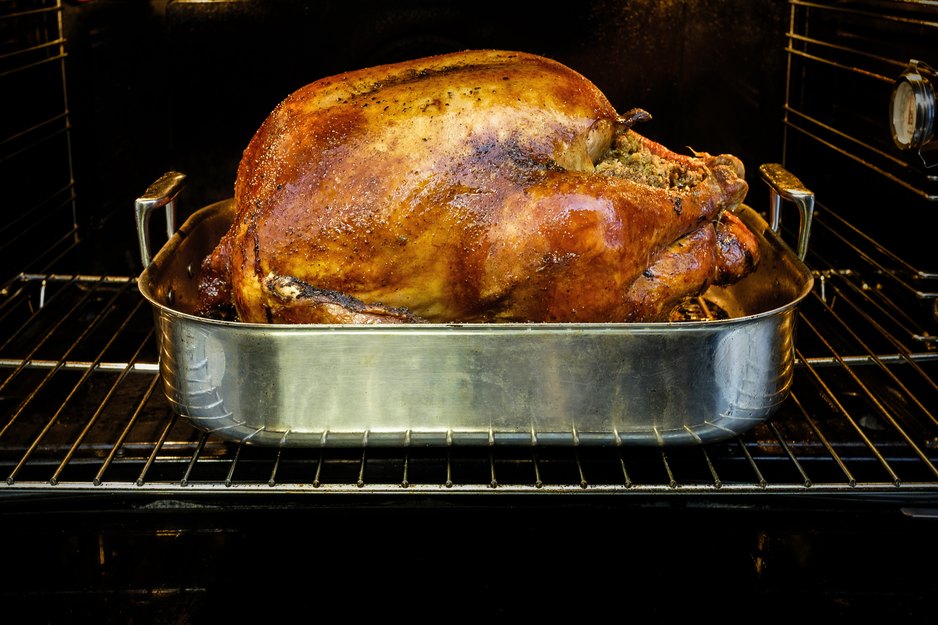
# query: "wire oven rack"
85,412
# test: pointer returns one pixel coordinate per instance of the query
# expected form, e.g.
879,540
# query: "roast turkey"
480,186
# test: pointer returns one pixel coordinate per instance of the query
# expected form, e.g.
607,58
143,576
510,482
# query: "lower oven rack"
82,410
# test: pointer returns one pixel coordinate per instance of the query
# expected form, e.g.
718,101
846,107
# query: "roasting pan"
679,383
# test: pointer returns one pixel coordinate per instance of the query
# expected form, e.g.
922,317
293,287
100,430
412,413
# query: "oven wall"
159,85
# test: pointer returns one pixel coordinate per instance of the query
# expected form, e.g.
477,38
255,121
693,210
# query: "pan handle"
163,192
783,184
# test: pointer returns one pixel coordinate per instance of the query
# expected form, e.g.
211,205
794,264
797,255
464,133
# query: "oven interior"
828,505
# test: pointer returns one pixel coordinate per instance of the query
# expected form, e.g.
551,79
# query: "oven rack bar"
54,8
148,367
905,491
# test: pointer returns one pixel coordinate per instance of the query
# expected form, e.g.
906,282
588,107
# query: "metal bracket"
783,184
163,192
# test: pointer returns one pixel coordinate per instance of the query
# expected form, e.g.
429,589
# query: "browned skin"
456,188
737,250
718,253
684,268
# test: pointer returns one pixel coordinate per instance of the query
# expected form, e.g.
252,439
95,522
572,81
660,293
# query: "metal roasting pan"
689,382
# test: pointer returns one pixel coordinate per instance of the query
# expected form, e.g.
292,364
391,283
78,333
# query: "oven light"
912,112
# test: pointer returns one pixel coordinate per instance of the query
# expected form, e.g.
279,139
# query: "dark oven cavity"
104,97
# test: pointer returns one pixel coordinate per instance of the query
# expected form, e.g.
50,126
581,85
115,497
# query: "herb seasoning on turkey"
479,186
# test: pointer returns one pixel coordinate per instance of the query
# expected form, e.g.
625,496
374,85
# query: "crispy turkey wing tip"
632,117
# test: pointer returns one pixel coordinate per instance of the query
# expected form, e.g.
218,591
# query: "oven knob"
912,112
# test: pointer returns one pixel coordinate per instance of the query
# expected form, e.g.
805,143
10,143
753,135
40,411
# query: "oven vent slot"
843,61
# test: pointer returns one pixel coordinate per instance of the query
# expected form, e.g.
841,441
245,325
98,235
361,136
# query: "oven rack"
35,140
84,412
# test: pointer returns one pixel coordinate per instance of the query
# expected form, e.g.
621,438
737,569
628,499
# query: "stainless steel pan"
690,382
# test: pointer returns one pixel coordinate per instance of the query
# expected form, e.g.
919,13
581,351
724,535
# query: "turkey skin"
480,186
